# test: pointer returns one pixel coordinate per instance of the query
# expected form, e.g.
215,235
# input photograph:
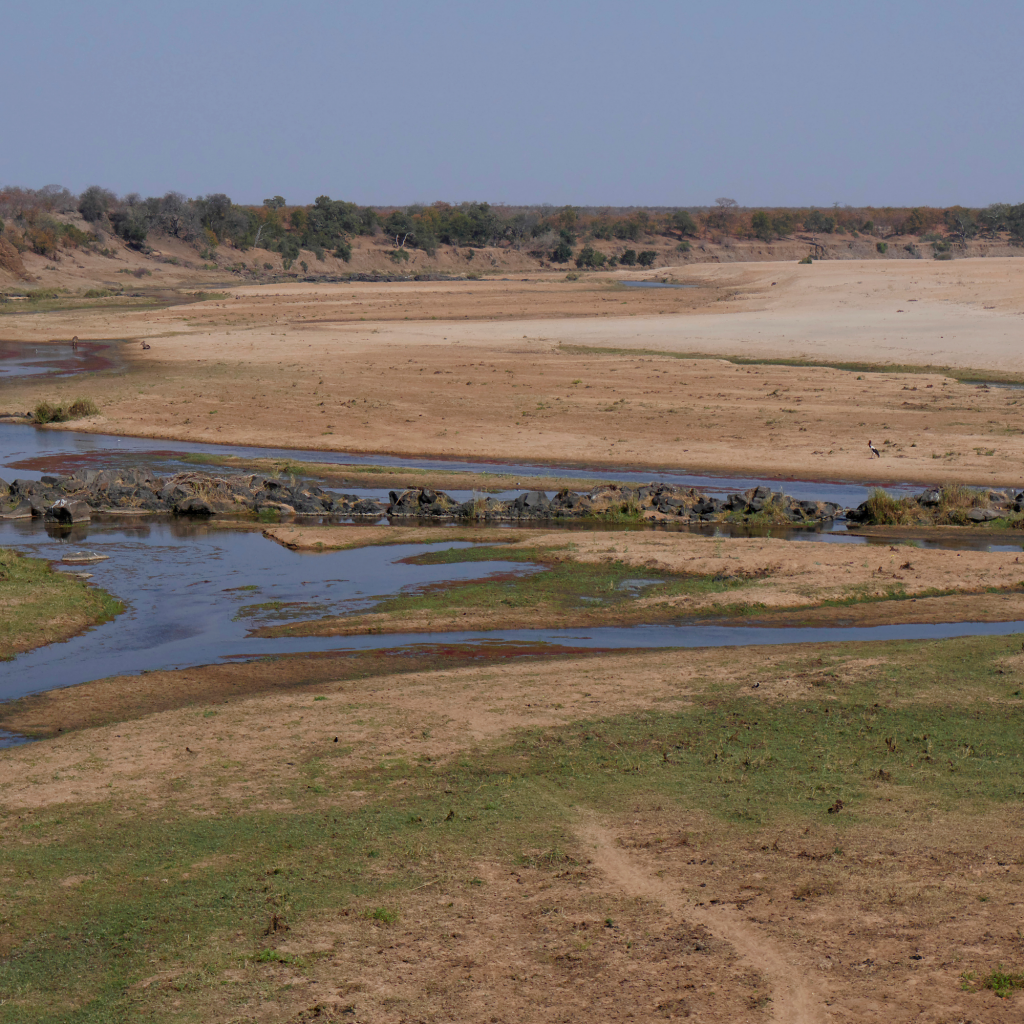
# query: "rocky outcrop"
71,499
655,502
952,506
74,498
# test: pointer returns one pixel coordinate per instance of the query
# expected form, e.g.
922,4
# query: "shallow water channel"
24,359
194,591
29,452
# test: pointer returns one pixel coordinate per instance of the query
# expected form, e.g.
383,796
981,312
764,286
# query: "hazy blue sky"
659,103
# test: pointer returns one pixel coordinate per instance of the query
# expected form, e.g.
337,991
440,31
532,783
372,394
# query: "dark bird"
145,345
874,450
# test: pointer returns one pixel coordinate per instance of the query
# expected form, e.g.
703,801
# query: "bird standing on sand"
874,450
144,345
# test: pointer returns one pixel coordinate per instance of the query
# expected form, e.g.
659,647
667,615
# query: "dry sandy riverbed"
560,372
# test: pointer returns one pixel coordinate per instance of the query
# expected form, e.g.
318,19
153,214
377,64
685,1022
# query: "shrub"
628,258
304,265
806,259
943,255
268,266
646,258
97,293
343,251
684,246
882,247
399,256
44,412
562,252
589,258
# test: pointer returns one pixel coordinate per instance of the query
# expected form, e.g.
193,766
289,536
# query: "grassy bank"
551,587
41,606
378,868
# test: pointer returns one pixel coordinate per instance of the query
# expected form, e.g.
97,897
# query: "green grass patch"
560,585
1000,981
99,897
40,606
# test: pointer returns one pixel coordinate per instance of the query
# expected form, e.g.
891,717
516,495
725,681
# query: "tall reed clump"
955,501
45,412
773,513
885,510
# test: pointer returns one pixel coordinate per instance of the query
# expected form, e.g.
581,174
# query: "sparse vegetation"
885,510
55,412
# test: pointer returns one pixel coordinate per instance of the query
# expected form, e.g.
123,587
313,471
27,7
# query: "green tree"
817,220
646,258
782,224
761,225
275,203
1015,223
628,258
562,253
589,258
94,203
684,223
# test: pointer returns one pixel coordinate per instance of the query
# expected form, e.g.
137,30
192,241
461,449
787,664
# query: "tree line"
36,219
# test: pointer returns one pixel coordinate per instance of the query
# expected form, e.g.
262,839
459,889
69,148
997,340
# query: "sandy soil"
779,575
486,370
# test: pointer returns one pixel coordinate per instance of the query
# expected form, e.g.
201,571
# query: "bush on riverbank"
45,412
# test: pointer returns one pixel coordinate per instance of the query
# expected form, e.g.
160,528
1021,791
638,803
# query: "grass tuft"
45,412
885,510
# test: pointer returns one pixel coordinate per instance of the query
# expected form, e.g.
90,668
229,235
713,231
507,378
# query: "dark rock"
192,506
982,515
367,507
21,511
531,501
64,511
929,498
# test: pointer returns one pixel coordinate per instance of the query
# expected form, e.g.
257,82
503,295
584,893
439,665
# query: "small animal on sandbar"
874,450
146,345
